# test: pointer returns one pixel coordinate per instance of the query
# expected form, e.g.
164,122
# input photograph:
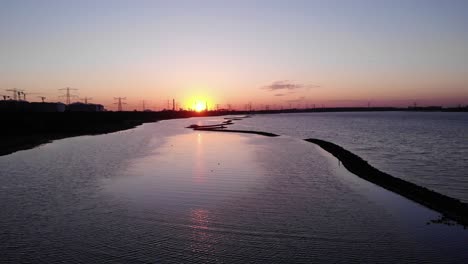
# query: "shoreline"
12,144
24,131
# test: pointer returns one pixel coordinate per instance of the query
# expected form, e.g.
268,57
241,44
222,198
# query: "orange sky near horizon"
270,54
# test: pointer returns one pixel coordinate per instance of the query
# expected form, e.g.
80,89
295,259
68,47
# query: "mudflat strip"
449,207
267,134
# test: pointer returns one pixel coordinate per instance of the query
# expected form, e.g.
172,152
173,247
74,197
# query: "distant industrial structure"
15,100
24,106
67,94
120,102
18,103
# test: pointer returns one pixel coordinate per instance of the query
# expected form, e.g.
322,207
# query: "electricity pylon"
119,102
67,94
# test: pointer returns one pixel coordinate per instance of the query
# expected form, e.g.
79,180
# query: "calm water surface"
164,194
429,149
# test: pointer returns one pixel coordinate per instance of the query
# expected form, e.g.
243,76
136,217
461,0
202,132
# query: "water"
429,149
164,194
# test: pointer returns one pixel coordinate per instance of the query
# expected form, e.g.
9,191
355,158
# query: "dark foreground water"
429,149
164,194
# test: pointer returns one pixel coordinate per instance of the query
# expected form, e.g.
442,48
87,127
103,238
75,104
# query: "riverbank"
25,130
22,131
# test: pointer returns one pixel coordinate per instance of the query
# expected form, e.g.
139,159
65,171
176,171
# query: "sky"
268,53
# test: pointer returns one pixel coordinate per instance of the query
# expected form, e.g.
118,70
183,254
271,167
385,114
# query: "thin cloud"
280,94
287,85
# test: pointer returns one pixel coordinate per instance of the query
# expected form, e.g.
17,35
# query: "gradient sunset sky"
280,53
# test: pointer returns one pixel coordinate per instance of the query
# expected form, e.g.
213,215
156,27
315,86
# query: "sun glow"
198,103
200,106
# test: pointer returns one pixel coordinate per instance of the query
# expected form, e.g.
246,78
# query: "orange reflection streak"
199,218
199,168
201,238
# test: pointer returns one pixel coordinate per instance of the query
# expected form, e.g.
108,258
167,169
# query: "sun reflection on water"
201,239
199,170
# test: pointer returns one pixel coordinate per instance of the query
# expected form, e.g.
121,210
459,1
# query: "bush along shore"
449,207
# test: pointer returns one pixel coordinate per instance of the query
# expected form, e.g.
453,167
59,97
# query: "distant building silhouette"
81,107
13,106
47,107
24,106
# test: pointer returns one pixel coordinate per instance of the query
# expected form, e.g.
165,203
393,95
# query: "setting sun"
200,106
265,131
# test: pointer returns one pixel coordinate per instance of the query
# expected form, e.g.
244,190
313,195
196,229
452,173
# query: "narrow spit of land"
267,134
449,207
229,121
